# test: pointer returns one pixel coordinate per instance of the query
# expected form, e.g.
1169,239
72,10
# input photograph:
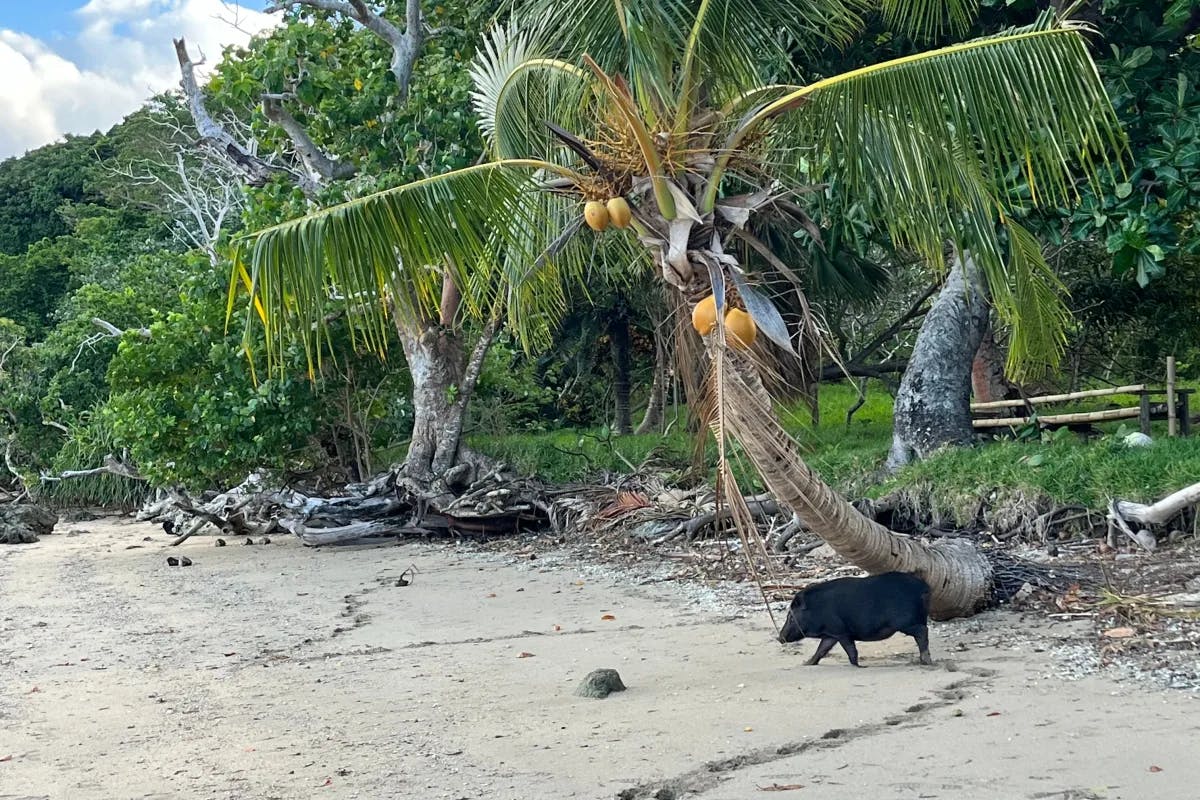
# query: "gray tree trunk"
653,420
436,361
444,380
618,334
933,406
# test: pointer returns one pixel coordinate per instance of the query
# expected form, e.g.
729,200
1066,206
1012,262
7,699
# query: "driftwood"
761,507
1122,512
388,505
1163,510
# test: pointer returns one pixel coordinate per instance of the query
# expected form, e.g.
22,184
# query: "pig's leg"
827,643
851,651
921,634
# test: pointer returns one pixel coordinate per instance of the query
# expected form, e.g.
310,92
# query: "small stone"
248,541
184,561
220,542
264,540
1023,594
824,552
600,683
172,561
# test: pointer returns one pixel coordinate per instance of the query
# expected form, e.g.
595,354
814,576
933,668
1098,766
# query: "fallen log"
1162,511
340,534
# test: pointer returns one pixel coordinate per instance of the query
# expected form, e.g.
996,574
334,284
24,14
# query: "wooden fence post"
1171,422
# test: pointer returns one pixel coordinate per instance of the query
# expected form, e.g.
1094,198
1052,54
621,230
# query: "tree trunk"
443,381
618,334
933,406
436,361
987,371
653,420
958,574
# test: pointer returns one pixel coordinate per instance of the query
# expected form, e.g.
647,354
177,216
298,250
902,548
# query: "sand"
276,671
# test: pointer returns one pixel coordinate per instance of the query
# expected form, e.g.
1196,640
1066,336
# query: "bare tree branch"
113,330
214,135
405,43
321,167
111,465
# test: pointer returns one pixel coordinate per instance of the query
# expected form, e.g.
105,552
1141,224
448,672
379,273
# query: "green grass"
573,455
1063,468
1068,472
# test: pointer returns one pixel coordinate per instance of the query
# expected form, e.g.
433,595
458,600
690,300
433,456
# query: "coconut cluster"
740,330
599,215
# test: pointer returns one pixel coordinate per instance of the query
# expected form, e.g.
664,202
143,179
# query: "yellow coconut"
740,330
596,215
704,316
618,212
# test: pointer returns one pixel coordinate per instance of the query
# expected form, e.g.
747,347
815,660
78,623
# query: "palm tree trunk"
618,334
653,419
958,574
933,406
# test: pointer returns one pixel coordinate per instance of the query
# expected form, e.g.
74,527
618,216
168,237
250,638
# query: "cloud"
120,55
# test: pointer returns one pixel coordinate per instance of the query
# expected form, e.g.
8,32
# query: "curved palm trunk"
958,574
933,406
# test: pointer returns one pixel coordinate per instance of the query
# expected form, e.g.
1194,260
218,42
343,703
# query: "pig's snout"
790,632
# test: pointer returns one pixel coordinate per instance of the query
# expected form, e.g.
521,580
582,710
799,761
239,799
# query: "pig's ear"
798,601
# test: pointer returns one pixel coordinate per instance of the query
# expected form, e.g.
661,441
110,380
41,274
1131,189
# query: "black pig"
872,609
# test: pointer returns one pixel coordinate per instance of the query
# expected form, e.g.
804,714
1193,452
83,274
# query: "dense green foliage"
36,188
80,240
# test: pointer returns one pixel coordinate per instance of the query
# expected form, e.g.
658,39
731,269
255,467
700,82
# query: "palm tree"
689,112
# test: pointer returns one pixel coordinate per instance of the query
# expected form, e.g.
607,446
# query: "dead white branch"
111,465
321,167
257,170
1163,510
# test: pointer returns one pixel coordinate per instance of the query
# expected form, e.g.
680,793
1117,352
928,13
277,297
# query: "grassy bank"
1062,468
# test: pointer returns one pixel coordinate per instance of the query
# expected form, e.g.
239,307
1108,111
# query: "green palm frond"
519,87
1028,296
921,18
384,255
1028,97
732,42
623,36
720,44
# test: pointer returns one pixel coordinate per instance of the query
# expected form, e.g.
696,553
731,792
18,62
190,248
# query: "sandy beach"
276,671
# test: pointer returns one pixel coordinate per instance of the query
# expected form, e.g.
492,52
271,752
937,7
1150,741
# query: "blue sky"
42,19
75,66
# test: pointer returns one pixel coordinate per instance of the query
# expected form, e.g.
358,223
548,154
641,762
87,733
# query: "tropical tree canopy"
694,113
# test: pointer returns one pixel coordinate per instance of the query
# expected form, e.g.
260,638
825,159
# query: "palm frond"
1029,97
927,18
385,255
519,88
722,45
613,32
1028,296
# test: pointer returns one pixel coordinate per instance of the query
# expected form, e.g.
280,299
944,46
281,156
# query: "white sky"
88,65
